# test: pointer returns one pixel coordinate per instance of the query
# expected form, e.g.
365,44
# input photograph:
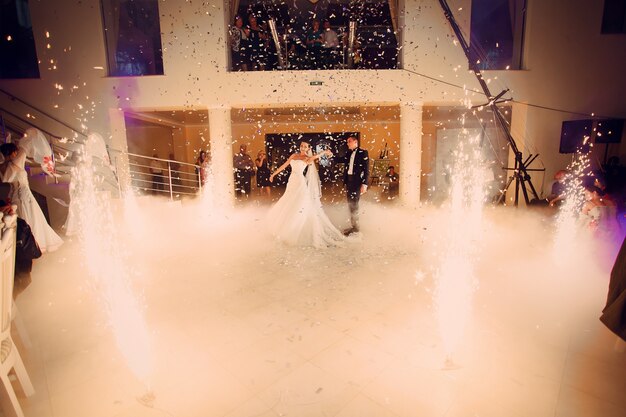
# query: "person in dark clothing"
557,193
244,170
26,248
314,42
393,182
263,173
256,44
614,313
356,178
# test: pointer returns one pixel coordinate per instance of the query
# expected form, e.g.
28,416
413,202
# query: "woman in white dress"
13,172
298,217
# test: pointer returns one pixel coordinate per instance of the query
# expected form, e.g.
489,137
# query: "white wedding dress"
27,207
298,217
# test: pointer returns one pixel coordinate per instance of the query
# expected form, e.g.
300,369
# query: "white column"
410,153
221,155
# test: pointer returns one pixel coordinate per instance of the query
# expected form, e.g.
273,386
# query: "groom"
356,177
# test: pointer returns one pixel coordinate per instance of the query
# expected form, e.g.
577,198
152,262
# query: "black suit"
360,176
614,313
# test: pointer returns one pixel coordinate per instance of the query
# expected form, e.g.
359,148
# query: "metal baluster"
169,176
200,179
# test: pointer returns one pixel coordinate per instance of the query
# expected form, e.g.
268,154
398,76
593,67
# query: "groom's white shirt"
351,165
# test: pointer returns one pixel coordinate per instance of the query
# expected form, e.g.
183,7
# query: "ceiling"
297,114
170,118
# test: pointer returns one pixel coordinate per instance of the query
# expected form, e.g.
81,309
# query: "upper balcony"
313,35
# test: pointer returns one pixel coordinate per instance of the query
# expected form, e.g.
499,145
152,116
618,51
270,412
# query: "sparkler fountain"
521,168
567,219
455,279
103,250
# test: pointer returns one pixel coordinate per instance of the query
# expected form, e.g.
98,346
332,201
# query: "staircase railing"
25,121
38,110
59,151
176,179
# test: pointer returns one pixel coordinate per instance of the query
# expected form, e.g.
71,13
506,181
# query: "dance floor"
238,325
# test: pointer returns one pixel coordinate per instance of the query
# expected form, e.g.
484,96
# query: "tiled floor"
241,326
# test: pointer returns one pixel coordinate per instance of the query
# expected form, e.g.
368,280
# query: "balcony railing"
371,47
163,177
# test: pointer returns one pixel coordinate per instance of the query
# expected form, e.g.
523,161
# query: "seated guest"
13,172
557,193
600,183
599,215
608,199
26,248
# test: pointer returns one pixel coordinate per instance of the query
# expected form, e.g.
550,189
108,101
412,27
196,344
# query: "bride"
298,217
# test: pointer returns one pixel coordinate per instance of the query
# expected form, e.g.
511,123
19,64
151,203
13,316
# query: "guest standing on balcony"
12,171
256,45
330,45
238,39
296,49
314,42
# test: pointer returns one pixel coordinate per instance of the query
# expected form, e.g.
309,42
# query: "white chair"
9,356
20,327
15,314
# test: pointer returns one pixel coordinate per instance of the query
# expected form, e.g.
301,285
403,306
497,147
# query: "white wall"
195,67
569,65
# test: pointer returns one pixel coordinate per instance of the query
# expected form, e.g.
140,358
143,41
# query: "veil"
36,146
313,183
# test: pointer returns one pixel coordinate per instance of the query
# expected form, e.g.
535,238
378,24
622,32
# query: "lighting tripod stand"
520,171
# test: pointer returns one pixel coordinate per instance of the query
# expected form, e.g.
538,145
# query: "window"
18,57
614,17
133,37
497,33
